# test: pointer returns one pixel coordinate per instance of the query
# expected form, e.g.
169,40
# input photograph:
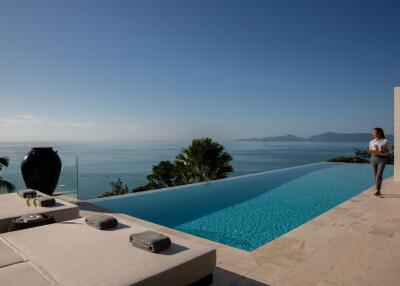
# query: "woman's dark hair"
379,131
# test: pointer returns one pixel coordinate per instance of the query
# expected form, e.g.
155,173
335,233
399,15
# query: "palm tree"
164,175
203,160
5,185
118,188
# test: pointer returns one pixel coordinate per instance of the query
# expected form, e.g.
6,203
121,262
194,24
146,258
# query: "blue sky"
174,70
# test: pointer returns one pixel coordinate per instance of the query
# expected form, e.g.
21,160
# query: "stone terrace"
356,243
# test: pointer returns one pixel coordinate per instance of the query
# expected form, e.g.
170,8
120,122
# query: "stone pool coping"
355,243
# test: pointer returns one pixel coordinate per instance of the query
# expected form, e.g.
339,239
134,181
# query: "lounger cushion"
75,254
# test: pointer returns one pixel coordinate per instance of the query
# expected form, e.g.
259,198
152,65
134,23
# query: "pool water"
248,211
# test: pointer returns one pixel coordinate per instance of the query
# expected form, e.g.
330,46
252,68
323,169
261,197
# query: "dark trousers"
378,165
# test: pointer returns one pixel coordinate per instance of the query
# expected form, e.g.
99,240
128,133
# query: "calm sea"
100,163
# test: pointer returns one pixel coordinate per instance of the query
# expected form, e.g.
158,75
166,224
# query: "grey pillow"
101,221
150,240
46,201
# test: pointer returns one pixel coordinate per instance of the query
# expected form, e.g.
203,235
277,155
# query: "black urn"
41,169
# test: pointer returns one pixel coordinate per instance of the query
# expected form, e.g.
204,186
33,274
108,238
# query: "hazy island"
324,137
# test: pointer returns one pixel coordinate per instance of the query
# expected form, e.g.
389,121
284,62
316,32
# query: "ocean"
90,167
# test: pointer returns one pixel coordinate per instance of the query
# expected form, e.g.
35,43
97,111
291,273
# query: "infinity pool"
248,211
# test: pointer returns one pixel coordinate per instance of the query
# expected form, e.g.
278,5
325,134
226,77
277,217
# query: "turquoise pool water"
248,211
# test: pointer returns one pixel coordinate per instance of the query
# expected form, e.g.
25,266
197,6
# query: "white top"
380,144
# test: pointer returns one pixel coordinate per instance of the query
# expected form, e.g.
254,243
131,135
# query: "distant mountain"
344,137
285,138
324,137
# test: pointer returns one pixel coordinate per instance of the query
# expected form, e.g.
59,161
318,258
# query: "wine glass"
36,202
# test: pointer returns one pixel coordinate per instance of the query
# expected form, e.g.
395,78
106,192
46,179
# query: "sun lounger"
13,206
22,274
73,253
8,256
15,270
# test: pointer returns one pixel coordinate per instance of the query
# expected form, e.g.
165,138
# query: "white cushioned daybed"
73,253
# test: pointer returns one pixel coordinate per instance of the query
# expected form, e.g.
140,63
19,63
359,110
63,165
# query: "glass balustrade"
67,183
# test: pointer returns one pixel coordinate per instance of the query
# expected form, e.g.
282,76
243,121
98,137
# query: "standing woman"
379,150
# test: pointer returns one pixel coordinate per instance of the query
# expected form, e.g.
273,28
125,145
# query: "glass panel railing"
68,180
12,173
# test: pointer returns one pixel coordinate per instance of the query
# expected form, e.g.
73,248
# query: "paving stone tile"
270,249
284,243
382,230
326,283
267,273
240,268
382,272
349,269
305,229
328,256
291,259
396,235
305,274
239,264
